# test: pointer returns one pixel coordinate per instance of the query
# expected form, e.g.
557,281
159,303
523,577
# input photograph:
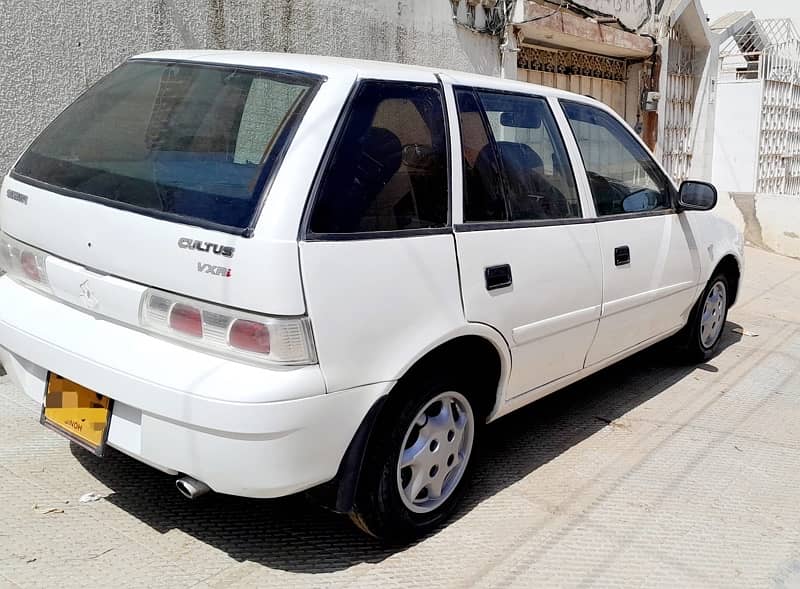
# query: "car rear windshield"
188,142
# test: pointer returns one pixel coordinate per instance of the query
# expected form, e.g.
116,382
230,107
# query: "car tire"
703,333
419,460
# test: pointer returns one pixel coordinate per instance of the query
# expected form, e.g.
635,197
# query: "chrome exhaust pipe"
191,488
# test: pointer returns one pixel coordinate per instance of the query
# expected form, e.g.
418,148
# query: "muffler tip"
191,488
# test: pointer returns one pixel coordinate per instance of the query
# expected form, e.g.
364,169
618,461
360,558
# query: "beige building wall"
51,51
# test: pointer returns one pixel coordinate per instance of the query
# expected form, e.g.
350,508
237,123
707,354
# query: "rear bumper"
241,429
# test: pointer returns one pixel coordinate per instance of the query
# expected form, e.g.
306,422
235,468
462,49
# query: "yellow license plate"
77,412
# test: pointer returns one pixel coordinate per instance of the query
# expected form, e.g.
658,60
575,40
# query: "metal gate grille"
779,151
769,50
679,106
597,76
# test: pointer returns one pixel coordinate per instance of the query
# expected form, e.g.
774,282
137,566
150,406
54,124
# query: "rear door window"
516,167
189,142
388,170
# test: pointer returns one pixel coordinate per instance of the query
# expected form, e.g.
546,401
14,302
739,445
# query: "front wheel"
417,465
706,323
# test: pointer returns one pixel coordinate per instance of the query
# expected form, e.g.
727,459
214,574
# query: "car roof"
360,68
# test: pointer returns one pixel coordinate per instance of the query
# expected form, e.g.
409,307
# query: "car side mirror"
697,196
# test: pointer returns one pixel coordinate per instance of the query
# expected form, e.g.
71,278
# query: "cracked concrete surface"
647,474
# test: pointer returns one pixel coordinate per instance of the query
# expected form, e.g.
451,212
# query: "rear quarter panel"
376,305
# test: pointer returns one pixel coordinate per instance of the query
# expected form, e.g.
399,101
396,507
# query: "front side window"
623,176
516,167
193,142
388,170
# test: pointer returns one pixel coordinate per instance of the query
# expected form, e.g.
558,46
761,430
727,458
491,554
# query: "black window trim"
305,233
522,224
672,194
264,183
519,223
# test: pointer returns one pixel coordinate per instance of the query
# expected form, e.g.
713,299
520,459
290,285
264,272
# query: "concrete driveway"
649,474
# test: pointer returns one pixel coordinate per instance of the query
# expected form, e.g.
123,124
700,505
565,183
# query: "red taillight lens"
24,263
250,336
186,319
29,266
242,335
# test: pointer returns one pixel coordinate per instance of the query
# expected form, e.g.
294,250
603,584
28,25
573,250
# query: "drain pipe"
191,488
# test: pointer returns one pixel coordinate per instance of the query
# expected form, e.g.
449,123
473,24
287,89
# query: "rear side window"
516,167
388,170
191,142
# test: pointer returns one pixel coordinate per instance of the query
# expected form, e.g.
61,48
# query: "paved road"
648,474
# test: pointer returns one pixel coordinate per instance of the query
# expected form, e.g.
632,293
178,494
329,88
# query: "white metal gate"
779,152
779,157
768,50
679,96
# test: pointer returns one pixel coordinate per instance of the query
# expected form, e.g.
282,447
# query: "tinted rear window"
191,142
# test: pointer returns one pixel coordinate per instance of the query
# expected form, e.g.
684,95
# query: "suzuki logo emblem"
87,296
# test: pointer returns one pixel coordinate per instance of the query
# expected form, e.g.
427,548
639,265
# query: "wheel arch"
477,345
469,348
729,266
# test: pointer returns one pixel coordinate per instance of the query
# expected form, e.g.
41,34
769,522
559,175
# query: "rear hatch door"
156,175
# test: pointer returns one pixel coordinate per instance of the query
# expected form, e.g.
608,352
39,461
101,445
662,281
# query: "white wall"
736,136
704,116
771,222
51,51
779,218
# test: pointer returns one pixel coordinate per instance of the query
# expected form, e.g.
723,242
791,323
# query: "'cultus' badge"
225,251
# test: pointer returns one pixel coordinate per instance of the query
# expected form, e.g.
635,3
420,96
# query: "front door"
649,257
529,263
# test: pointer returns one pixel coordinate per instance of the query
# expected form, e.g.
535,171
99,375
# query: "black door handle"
622,255
498,277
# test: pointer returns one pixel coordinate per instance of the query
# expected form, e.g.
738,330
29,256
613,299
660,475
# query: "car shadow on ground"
295,535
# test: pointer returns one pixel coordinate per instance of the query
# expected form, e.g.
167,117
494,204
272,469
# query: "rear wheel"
707,321
417,465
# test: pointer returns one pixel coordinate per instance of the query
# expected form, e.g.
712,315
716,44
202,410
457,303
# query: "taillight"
28,265
186,319
249,336
278,340
24,263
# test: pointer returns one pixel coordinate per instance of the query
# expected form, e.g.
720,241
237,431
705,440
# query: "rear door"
528,260
649,256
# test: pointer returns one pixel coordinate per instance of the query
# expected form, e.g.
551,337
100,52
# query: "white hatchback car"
268,273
